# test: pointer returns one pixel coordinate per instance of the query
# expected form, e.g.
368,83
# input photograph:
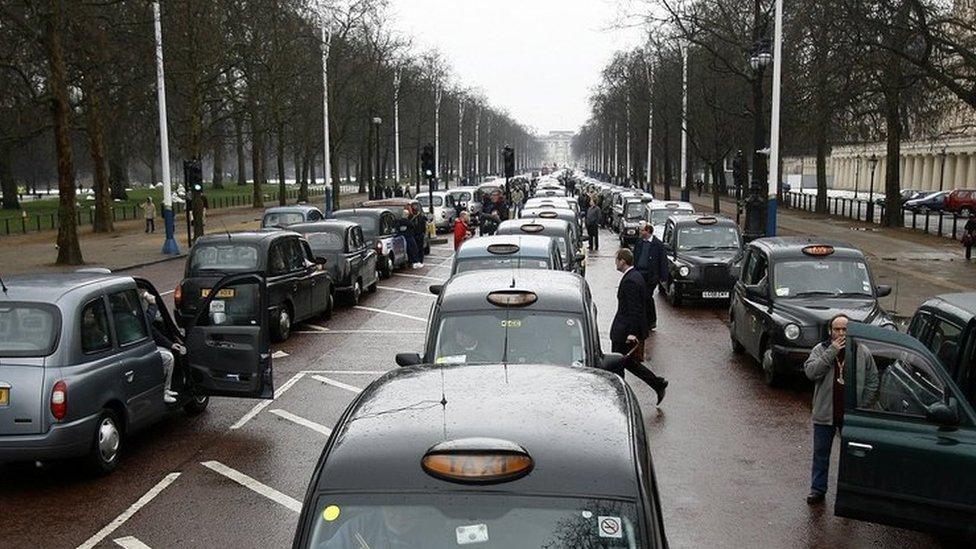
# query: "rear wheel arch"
118,407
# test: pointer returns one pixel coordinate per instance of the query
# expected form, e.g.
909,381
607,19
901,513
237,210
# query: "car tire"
387,270
737,347
674,297
965,212
427,248
356,293
196,405
329,306
376,282
103,458
282,323
768,364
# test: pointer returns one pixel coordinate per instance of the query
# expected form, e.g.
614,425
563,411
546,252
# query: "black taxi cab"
908,446
299,287
349,259
702,251
788,289
489,456
507,252
563,232
946,325
517,316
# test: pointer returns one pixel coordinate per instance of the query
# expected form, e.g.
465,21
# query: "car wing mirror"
436,289
408,359
755,290
942,414
320,260
882,290
613,362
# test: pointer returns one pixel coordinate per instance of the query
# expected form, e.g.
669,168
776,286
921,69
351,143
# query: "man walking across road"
149,209
651,261
629,328
594,216
969,236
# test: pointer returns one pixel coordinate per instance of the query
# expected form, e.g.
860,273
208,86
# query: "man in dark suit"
650,260
629,328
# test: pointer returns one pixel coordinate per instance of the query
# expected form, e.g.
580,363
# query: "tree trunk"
668,171
256,168
102,222
69,251
218,158
302,182
718,176
239,144
821,206
892,172
8,185
118,167
281,164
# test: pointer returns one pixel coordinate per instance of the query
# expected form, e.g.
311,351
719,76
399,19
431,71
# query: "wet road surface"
732,457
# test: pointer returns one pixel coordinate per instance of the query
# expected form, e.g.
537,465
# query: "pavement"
916,265
731,455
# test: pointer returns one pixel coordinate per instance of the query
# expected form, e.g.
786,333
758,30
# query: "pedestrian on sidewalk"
825,367
149,210
651,261
461,229
416,232
594,217
969,236
629,328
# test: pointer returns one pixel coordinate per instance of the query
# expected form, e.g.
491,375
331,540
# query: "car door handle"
860,446
129,376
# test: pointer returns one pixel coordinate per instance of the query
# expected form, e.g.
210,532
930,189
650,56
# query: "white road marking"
334,383
363,332
161,294
302,421
394,289
132,510
265,403
130,542
351,372
401,315
420,276
314,327
280,354
254,485
441,266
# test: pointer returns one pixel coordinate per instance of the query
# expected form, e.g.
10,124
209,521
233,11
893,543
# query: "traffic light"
509,154
193,175
427,161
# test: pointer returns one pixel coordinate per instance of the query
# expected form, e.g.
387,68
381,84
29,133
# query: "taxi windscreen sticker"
451,359
475,533
782,292
609,527
330,513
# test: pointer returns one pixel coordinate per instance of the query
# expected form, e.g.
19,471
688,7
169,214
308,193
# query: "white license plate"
715,295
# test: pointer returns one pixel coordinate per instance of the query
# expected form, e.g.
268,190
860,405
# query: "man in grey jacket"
593,218
825,367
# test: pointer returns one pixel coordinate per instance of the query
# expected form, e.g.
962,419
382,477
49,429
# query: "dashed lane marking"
334,383
161,294
394,289
363,332
350,372
420,276
130,542
280,354
265,403
254,485
318,427
128,513
314,327
385,312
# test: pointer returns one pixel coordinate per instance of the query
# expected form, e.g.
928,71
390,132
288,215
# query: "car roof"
373,212
663,205
386,202
580,446
245,237
529,245
51,287
330,225
692,219
293,208
962,304
792,246
549,225
556,290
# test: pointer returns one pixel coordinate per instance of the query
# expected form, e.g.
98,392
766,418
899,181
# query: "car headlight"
792,332
630,231
684,270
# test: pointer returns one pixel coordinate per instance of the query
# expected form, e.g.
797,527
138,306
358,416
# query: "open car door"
908,444
228,344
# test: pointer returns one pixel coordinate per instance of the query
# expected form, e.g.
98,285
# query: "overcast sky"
538,59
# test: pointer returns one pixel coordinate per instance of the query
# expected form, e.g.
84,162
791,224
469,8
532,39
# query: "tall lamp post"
872,163
378,178
170,247
857,175
684,119
331,192
942,154
772,189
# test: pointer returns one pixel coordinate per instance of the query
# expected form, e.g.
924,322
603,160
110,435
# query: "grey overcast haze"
537,59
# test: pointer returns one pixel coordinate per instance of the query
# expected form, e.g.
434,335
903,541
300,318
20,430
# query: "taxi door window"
893,380
668,229
294,255
130,323
95,332
757,268
357,236
276,259
944,341
919,327
307,250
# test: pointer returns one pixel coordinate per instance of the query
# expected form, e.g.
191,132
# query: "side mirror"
755,290
942,414
436,289
408,359
882,290
320,260
613,362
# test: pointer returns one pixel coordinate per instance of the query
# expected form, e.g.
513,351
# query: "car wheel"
329,306
674,298
376,282
282,324
427,248
387,270
770,375
356,293
965,212
197,405
737,347
103,457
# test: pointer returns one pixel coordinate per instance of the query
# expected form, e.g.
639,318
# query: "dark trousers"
150,225
636,367
594,232
412,252
420,248
969,252
651,307
823,441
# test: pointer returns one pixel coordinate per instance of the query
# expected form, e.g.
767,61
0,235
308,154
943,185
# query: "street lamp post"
170,247
684,120
941,183
396,127
872,163
378,178
437,135
857,174
332,200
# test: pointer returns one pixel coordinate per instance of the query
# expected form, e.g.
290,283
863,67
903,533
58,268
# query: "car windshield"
325,242
660,217
708,237
367,223
462,197
447,520
282,219
500,262
27,330
538,337
822,277
425,201
224,257
634,210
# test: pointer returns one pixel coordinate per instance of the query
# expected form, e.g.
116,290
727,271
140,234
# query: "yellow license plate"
225,292
4,396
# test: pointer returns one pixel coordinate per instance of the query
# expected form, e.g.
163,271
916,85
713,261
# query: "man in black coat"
629,328
651,261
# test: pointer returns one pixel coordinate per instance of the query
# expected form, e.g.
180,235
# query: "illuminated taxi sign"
818,250
671,206
503,249
532,228
548,215
477,461
707,220
512,298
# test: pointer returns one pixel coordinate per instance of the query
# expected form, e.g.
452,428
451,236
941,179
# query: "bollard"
955,220
926,221
6,226
914,219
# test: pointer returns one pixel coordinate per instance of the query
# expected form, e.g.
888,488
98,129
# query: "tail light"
379,247
59,400
178,295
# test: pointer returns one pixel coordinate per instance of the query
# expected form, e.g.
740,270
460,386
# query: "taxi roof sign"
477,461
503,249
671,205
707,220
818,250
512,298
548,215
532,228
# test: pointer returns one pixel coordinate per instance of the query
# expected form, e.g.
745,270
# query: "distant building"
557,147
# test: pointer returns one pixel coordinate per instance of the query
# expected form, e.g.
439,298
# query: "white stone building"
557,148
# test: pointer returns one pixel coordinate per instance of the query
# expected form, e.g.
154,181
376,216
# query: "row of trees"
244,91
854,71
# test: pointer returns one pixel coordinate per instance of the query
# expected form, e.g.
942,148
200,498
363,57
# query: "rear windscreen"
223,257
28,330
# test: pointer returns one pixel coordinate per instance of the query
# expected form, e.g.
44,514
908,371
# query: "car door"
321,281
355,257
737,308
302,277
228,344
370,274
138,358
280,283
908,445
755,305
